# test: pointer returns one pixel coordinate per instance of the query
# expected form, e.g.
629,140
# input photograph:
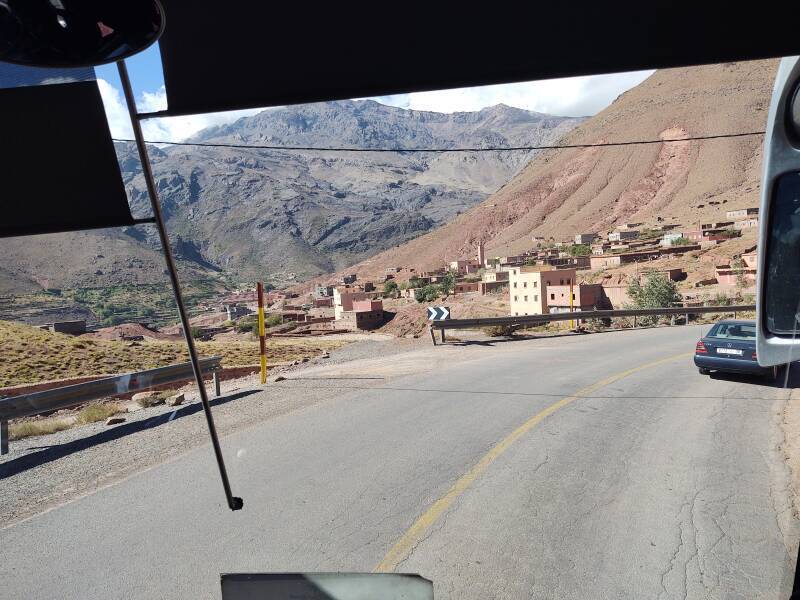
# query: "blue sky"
144,69
575,96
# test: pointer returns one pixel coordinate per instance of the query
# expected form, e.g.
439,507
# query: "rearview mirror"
778,303
76,33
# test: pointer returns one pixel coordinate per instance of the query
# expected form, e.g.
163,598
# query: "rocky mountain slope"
293,214
567,191
284,216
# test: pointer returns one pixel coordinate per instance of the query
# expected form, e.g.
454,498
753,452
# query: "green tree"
682,241
429,293
271,321
197,332
580,250
658,291
246,325
415,282
390,287
739,267
447,283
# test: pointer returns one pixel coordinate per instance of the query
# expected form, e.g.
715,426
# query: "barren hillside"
568,191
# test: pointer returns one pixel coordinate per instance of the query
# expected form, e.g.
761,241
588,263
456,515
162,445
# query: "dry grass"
97,412
17,431
47,425
158,398
30,355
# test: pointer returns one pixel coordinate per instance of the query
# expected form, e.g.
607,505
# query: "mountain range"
283,216
566,191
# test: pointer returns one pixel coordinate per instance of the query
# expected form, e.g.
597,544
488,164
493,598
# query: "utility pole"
571,305
262,340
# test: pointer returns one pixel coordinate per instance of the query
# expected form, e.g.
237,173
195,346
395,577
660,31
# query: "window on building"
516,298
526,298
535,284
568,281
535,298
562,282
573,296
515,284
525,284
552,296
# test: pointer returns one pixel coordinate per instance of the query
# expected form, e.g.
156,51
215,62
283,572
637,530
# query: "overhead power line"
442,150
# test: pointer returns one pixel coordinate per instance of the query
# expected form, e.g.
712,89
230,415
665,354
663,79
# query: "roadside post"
3,437
438,313
262,342
217,389
571,306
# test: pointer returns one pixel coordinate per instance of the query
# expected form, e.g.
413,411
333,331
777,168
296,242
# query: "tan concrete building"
527,287
585,238
741,213
621,236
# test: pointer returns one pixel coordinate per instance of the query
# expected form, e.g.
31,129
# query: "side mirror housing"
778,286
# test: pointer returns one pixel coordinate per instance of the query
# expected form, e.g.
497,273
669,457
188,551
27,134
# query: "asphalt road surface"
601,466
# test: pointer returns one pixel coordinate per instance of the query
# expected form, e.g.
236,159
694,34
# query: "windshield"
455,333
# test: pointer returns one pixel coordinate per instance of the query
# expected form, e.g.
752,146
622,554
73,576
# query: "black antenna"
233,502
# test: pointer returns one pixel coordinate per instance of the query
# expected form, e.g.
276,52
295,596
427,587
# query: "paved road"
638,482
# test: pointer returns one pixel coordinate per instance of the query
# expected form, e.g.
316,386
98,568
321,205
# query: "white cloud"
573,96
116,112
172,129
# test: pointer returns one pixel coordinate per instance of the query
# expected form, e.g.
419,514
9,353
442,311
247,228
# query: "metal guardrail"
35,403
533,320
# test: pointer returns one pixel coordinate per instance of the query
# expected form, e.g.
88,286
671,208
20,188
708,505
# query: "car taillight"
754,355
700,348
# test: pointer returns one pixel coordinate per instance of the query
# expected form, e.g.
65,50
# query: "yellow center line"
400,551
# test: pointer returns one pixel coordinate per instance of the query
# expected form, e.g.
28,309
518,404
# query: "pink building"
617,295
585,296
367,305
729,275
366,314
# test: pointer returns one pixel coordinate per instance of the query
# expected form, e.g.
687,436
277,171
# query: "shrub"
97,412
499,330
580,250
721,299
429,293
270,321
658,291
247,325
390,287
17,431
197,332
155,400
682,241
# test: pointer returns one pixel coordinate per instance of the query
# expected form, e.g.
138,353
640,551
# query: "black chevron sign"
438,313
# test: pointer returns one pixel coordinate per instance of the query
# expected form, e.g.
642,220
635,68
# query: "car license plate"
729,351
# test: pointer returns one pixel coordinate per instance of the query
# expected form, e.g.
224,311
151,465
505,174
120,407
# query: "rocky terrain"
568,191
286,216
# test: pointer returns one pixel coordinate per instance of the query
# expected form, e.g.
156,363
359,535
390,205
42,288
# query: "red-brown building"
366,314
464,286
